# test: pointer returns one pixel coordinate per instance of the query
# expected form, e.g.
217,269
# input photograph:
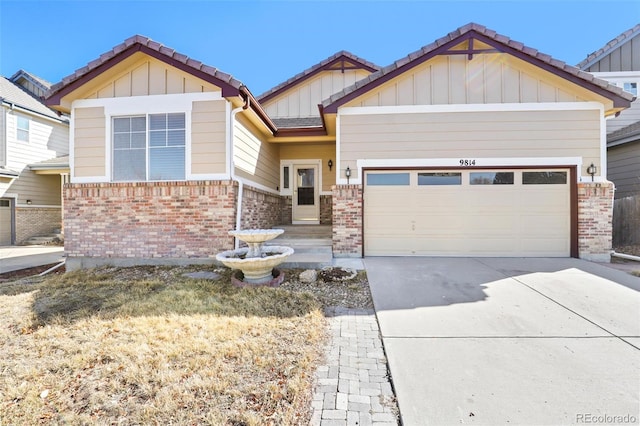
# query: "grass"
149,346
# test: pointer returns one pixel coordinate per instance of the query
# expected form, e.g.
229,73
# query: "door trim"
315,217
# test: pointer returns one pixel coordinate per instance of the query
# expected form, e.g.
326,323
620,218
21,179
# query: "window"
285,177
491,178
631,88
393,179
544,178
22,132
149,147
439,178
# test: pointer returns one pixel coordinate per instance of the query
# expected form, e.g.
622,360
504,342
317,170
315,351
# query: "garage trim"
573,192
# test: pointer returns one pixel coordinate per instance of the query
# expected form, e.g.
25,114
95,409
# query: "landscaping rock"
308,276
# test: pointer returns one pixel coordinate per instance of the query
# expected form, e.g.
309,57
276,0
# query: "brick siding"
326,209
595,212
347,220
149,220
34,221
260,209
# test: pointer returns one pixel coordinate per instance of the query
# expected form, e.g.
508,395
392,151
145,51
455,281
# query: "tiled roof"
160,50
613,44
13,93
315,68
424,53
289,123
626,132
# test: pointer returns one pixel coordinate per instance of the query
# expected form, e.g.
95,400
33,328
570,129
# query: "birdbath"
256,262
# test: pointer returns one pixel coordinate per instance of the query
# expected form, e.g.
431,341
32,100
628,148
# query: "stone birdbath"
256,262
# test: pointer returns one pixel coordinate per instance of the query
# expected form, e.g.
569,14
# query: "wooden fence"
626,221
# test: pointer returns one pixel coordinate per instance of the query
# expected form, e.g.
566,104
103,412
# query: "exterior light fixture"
347,173
29,202
330,164
592,170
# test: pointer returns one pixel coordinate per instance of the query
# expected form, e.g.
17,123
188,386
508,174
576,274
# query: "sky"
263,43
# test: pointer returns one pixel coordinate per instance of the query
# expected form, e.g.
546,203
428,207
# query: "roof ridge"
611,45
480,29
153,45
315,68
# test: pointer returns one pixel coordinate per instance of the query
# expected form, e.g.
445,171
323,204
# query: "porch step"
37,240
312,245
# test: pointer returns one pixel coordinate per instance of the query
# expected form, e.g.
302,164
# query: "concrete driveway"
509,341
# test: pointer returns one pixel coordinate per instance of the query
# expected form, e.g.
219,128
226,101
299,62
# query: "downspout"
233,167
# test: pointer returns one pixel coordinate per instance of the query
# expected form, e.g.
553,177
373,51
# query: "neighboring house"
475,145
30,133
619,63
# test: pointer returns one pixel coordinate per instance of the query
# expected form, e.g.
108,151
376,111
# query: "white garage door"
5,222
467,212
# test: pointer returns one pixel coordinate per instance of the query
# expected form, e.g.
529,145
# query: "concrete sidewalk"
13,258
509,341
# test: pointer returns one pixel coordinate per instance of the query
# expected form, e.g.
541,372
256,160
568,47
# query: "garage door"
5,222
467,212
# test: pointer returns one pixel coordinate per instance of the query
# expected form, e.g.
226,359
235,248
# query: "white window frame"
19,129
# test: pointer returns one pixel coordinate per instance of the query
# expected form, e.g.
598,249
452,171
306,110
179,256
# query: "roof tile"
594,57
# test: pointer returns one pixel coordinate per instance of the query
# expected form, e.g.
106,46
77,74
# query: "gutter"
12,106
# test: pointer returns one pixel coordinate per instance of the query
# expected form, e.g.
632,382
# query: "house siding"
302,100
595,214
208,137
89,142
624,58
31,221
623,165
255,160
313,151
480,134
486,79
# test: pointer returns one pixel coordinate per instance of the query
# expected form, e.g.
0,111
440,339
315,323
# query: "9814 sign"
467,162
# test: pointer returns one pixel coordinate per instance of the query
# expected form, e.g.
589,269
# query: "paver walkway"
353,387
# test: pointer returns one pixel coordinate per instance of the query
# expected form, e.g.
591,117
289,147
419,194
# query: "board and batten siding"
255,159
89,142
477,134
313,151
302,100
486,79
208,137
626,57
623,165
147,76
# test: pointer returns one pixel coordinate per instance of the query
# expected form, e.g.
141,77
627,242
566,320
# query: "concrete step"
43,239
300,242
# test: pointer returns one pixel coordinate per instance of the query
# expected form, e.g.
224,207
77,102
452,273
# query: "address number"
464,162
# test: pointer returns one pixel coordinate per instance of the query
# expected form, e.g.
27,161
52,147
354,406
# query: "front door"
306,200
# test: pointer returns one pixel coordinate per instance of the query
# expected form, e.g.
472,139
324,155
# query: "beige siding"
89,142
313,151
40,189
302,100
624,58
3,141
624,168
146,76
255,159
470,135
488,78
208,137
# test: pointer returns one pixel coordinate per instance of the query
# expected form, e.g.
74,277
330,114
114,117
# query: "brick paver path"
353,387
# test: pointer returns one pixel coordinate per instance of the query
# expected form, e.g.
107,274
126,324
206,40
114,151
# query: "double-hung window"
149,147
22,128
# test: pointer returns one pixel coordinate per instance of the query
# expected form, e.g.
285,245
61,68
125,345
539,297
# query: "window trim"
20,129
147,149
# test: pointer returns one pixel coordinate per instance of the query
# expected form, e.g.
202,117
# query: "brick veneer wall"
33,221
347,220
152,220
286,212
326,209
260,209
595,212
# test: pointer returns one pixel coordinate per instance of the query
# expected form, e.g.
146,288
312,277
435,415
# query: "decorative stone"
308,276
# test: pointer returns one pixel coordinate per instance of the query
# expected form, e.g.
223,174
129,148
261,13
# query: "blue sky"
263,43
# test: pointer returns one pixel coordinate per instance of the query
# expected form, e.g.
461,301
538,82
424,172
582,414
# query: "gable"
302,99
139,75
620,54
489,77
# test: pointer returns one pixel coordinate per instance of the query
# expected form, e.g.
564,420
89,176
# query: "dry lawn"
148,346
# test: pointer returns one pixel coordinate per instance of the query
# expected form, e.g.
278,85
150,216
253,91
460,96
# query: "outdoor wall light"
330,164
592,170
347,173
28,201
